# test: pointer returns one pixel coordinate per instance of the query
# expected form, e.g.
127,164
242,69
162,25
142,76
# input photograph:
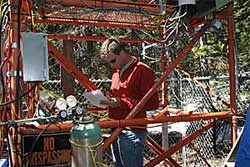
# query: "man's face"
114,60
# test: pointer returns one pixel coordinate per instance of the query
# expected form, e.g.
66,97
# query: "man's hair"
112,45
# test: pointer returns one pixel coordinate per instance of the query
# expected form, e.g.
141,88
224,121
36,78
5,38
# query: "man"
131,80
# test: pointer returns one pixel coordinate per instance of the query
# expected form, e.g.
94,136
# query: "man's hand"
111,102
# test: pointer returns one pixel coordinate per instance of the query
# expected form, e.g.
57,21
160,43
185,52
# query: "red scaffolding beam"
22,14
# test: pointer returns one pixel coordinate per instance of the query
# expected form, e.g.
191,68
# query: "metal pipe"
181,118
89,22
152,8
140,121
158,150
232,76
99,39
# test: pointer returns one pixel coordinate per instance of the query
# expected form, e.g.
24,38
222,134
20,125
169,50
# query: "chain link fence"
213,144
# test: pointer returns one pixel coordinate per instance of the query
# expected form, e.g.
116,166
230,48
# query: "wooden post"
67,81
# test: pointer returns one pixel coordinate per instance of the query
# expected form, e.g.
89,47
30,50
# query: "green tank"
86,139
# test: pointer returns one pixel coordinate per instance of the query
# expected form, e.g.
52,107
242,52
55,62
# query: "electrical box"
35,56
204,7
221,3
198,8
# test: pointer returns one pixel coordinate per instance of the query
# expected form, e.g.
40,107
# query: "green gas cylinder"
86,139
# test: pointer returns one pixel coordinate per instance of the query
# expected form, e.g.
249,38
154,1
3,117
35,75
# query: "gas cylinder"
85,139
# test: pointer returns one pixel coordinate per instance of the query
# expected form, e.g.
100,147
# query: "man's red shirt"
131,87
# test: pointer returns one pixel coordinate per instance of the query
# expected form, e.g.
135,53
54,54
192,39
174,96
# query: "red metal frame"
157,149
180,144
232,74
12,53
71,68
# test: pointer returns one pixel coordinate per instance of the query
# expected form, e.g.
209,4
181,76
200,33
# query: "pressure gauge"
71,101
78,110
63,114
61,104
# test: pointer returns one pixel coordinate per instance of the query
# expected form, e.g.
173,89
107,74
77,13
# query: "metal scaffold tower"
26,52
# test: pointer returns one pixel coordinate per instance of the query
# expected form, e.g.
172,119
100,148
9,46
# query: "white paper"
94,97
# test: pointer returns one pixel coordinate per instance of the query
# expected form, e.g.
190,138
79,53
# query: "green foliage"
242,33
211,53
51,28
214,47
